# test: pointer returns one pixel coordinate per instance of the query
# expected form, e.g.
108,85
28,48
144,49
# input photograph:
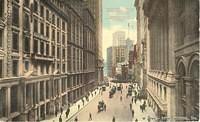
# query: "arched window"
194,71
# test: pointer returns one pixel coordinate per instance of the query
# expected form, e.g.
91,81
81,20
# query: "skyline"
116,17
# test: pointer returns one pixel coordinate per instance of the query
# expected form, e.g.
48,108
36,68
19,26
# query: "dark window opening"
41,11
1,68
15,68
42,48
15,41
35,25
35,7
1,38
26,44
42,28
26,22
14,98
26,3
15,16
35,46
47,31
47,49
1,8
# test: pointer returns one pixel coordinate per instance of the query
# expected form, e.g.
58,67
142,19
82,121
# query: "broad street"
114,108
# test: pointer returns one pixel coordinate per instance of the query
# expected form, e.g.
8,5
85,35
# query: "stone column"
188,96
8,101
172,19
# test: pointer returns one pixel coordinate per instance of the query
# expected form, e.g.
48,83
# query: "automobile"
119,88
107,84
104,88
111,94
100,106
129,91
113,89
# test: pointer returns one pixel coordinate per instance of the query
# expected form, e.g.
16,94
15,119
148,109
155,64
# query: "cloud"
118,14
107,36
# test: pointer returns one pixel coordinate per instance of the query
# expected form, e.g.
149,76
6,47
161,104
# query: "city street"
114,108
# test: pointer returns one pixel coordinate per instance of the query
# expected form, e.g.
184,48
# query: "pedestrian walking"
56,113
78,106
113,120
76,119
136,120
130,106
120,98
135,100
132,100
121,91
133,113
90,116
105,107
60,119
61,110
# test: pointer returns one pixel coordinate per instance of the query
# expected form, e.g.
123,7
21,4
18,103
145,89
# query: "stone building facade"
42,57
172,57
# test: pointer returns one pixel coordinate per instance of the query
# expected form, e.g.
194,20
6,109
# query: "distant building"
119,39
109,61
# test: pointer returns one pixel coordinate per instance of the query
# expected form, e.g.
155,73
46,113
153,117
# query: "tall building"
47,56
119,38
172,56
109,62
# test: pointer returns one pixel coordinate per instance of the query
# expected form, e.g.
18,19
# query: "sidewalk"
142,116
73,109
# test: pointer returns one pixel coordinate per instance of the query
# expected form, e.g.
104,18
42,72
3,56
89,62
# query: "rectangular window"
1,8
26,44
63,68
35,44
15,16
63,26
63,53
35,6
42,28
53,19
14,98
15,68
15,41
1,38
35,25
53,34
26,3
42,48
41,11
58,52
26,65
63,39
1,68
58,37
47,14
47,49
47,30
26,22
53,50
58,22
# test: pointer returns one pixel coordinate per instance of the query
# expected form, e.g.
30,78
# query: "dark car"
111,94
119,88
104,88
113,89
100,106
129,91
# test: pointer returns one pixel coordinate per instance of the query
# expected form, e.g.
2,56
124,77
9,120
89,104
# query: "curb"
80,110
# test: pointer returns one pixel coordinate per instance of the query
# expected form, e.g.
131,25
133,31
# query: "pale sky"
116,16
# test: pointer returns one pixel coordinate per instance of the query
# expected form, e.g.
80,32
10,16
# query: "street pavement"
73,109
114,108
